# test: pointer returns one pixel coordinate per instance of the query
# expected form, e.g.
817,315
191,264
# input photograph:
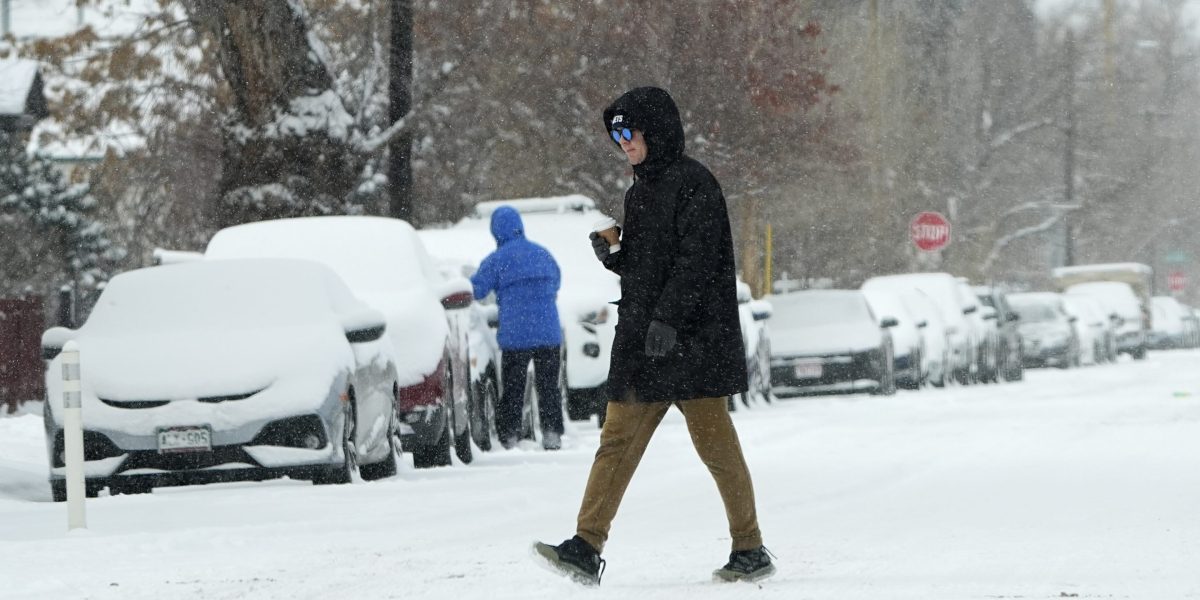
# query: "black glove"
660,338
599,246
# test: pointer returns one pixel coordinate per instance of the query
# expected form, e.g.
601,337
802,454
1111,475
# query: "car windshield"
371,254
810,309
1035,312
212,296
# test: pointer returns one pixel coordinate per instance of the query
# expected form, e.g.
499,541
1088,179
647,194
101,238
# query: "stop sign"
1176,281
930,231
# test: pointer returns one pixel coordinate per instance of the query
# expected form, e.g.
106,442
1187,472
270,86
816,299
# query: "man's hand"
599,246
660,338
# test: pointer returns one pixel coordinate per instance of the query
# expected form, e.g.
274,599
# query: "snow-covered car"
428,319
943,290
1009,341
986,333
1125,289
1170,320
586,298
1133,319
752,316
829,341
1091,327
219,371
907,342
1047,331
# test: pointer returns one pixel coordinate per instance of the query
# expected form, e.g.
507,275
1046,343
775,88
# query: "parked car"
986,334
1171,322
1109,320
220,371
1046,330
907,343
829,341
386,266
1091,327
753,315
586,300
1124,288
943,290
1009,342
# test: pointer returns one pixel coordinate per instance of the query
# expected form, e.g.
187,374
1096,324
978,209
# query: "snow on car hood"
292,368
824,339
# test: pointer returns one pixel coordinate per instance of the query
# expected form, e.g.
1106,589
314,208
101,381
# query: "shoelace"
600,573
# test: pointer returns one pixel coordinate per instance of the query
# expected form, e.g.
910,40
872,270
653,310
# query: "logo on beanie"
617,120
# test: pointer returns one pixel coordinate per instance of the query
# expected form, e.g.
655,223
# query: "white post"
73,437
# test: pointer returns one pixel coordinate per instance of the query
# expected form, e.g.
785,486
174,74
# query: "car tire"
483,411
343,473
462,442
1139,353
436,454
387,466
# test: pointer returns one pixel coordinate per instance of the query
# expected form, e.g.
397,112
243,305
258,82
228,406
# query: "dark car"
829,341
1007,319
1047,331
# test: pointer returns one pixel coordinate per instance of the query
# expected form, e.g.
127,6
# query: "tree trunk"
287,148
400,66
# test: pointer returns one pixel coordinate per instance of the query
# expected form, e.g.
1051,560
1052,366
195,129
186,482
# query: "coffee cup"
607,228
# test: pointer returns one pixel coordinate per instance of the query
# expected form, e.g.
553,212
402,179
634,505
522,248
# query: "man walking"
526,279
678,340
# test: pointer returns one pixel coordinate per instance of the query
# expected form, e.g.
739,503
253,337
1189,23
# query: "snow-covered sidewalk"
1081,483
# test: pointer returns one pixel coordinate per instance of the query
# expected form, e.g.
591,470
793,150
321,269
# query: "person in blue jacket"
526,279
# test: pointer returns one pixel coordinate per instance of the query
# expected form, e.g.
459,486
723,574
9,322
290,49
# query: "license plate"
184,439
808,369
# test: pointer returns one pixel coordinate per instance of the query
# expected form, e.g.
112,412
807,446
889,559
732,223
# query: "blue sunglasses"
624,132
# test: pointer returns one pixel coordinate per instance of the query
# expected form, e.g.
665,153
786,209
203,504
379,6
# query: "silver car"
226,370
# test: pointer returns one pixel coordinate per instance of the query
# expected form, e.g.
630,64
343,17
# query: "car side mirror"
457,300
989,316
1072,319
761,310
922,324
889,322
366,334
54,339
1012,316
364,325
970,309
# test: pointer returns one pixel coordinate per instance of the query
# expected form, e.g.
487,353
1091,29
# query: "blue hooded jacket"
526,280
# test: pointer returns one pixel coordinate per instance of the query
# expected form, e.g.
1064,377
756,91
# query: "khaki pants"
623,440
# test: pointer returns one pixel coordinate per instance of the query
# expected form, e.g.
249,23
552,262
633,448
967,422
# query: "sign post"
929,231
73,437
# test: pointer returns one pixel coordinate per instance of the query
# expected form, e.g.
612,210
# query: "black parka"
676,265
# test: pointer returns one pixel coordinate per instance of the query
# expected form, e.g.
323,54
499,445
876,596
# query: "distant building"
22,98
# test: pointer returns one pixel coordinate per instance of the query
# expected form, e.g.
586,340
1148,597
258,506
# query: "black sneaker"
746,565
574,558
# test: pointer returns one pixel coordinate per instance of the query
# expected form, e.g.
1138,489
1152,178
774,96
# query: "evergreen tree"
63,214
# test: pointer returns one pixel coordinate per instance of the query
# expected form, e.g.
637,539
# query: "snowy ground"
1079,483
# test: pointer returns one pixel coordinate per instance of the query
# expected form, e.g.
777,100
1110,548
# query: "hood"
834,338
507,225
651,111
171,365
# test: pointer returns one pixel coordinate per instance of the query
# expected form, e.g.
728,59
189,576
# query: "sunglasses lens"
627,134
616,136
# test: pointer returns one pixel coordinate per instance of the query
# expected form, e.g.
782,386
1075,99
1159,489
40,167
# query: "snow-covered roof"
529,206
17,76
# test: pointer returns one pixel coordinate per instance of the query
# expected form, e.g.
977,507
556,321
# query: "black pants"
546,362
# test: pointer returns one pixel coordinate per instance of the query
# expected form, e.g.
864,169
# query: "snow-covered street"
1079,483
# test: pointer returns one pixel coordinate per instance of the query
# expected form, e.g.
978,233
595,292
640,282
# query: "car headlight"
596,317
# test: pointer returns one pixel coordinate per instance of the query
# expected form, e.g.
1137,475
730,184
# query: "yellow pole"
767,279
